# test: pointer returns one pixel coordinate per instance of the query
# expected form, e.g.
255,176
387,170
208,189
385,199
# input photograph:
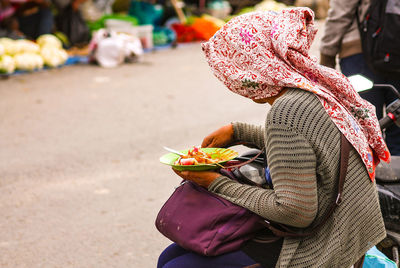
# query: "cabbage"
7,64
12,47
51,50
268,5
9,46
24,45
30,56
53,56
28,61
49,40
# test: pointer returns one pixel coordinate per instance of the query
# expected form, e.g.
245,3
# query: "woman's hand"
220,138
202,178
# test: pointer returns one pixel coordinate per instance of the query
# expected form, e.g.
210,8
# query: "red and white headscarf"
258,54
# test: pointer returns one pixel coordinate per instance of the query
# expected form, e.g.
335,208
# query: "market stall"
121,31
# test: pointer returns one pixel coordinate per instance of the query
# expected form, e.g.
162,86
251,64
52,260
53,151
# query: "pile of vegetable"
197,28
51,50
204,27
26,55
266,5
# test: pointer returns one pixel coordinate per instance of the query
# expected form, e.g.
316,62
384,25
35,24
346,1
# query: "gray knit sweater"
303,152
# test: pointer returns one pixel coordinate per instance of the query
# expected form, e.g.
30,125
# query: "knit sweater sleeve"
249,134
292,163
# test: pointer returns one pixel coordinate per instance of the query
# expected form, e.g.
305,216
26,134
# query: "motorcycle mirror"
360,83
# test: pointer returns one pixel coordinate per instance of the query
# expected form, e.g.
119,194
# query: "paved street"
80,178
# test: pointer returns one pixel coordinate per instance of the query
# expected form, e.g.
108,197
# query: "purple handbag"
205,223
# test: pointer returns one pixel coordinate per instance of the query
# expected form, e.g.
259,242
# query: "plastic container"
120,26
145,34
163,36
219,9
146,13
110,23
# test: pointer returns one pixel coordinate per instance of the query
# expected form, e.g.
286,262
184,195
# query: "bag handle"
229,166
344,159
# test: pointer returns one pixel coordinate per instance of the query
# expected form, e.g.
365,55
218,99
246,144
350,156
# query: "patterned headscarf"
258,54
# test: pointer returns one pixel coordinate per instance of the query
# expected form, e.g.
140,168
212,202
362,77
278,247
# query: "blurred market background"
90,92
37,34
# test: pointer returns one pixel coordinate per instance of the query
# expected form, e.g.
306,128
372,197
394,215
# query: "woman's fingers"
206,142
209,141
202,178
219,138
182,174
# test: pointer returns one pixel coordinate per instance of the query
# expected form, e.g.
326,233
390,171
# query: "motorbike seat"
389,172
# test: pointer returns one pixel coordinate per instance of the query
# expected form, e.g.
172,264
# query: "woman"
35,18
264,56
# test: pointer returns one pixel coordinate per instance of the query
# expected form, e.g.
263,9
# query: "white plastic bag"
110,49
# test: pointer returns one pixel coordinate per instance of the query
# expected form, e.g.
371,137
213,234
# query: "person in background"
342,38
70,22
35,18
264,57
9,26
25,19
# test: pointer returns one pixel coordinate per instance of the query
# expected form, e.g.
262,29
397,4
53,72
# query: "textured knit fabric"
258,54
303,151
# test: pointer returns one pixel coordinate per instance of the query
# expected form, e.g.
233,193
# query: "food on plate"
198,159
196,156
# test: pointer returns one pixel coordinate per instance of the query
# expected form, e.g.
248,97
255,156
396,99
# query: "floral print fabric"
258,54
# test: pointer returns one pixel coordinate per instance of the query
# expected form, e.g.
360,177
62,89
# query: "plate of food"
199,159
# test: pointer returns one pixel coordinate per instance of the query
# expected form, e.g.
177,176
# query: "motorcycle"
387,175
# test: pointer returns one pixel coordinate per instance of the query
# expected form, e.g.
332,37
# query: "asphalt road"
80,178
